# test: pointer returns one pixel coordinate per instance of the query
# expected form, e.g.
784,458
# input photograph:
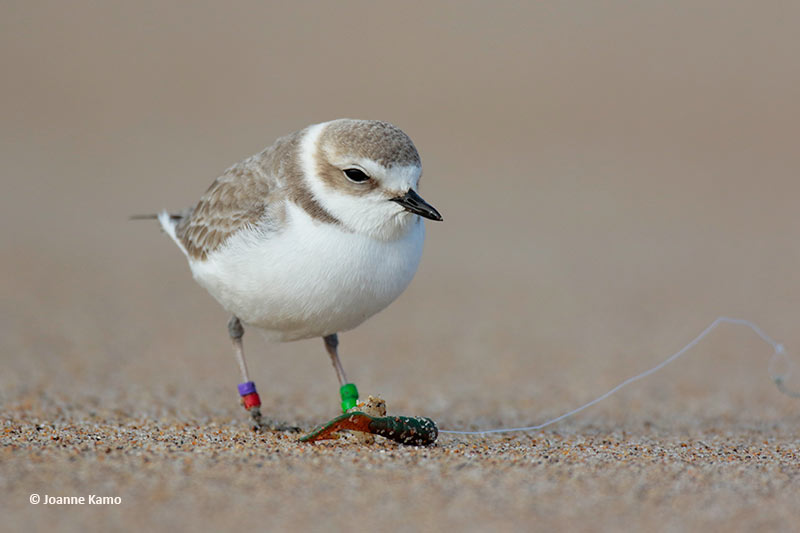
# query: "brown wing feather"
235,200
249,193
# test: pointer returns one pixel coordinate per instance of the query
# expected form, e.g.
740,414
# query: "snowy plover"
310,237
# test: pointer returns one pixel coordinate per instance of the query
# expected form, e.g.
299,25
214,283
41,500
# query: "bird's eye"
355,174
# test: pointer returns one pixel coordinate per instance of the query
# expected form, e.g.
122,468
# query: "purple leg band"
247,388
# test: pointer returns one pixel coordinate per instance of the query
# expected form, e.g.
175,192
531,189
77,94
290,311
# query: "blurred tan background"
613,176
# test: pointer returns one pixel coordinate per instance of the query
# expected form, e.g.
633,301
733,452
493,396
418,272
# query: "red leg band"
251,400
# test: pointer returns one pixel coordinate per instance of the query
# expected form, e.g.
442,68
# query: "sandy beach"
611,180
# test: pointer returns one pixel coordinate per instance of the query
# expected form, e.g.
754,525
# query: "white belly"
311,279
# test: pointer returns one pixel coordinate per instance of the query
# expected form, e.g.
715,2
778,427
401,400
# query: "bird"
308,238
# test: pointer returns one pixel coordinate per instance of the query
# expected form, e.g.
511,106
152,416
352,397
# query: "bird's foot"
251,401
261,424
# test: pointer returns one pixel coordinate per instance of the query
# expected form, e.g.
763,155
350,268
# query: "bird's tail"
154,217
169,222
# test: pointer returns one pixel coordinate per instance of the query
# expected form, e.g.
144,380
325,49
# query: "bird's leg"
247,389
332,345
347,391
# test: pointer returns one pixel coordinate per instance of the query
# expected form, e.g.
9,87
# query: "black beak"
413,202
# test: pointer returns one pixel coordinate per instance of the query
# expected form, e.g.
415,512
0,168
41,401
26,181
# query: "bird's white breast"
309,279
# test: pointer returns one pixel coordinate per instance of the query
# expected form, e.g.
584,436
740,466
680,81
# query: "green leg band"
349,394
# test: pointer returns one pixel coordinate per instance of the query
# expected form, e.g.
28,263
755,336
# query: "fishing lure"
414,431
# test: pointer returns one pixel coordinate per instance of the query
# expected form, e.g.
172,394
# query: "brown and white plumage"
314,234
253,191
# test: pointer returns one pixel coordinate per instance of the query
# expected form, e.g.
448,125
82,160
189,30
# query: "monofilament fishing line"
780,370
